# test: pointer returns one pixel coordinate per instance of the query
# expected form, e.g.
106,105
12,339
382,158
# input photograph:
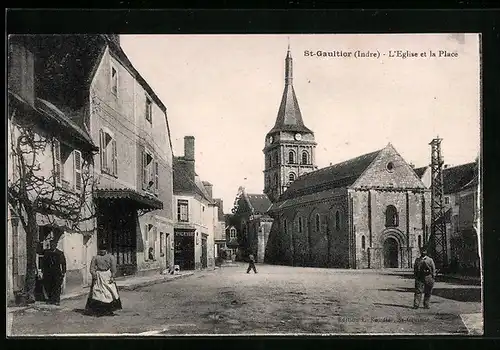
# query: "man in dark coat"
425,273
53,269
251,264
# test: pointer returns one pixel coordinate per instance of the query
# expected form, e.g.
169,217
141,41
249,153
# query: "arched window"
318,222
305,158
291,177
291,157
391,216
300,225
363,243
284,226
337,220
420,241
276,179
276,159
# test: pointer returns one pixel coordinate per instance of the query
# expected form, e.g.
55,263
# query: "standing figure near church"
53,270
251,264
425,273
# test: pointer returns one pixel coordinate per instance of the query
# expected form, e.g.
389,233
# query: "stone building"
43,135
367,212
134,194
252,221
197,214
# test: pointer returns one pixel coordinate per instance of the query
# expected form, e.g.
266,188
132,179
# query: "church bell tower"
290,149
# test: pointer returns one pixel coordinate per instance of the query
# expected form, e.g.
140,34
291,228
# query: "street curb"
153,282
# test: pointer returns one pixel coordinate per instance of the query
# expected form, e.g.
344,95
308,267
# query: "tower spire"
288,66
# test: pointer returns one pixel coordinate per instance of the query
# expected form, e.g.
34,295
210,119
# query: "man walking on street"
425,273
251,264
53,269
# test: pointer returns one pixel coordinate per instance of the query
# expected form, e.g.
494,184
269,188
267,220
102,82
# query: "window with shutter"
57,161
114,81
153,241
77,157
114,157
149,110
151,174
144,169
157,185
104,156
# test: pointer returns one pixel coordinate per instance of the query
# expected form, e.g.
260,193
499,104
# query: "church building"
367,212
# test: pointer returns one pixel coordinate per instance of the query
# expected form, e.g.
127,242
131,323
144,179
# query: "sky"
225,90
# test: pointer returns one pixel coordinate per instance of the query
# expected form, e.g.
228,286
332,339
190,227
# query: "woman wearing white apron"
103,297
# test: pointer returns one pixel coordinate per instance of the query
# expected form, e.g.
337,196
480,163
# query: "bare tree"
30,193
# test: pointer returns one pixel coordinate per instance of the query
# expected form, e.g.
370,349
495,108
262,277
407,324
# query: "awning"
142,201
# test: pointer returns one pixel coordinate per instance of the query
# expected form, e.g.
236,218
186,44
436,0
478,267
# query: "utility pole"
437,239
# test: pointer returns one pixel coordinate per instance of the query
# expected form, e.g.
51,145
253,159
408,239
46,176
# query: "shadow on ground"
394,305
457,294
441,278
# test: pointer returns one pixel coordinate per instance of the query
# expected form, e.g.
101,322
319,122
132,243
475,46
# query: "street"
277,300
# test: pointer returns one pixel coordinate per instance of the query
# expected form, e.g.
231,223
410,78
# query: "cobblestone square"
276,300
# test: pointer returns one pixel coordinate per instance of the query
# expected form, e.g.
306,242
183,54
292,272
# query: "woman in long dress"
103,297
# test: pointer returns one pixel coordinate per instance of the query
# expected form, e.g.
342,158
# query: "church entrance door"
391,255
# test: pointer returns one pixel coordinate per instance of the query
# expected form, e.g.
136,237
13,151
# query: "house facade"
461,214
220,229
251,218
50,167
133,169
194,226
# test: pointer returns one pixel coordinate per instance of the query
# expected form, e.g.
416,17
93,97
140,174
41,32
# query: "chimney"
115,38
189,148
208,188
21,78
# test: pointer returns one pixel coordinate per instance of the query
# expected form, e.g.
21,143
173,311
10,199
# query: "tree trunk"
31,250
